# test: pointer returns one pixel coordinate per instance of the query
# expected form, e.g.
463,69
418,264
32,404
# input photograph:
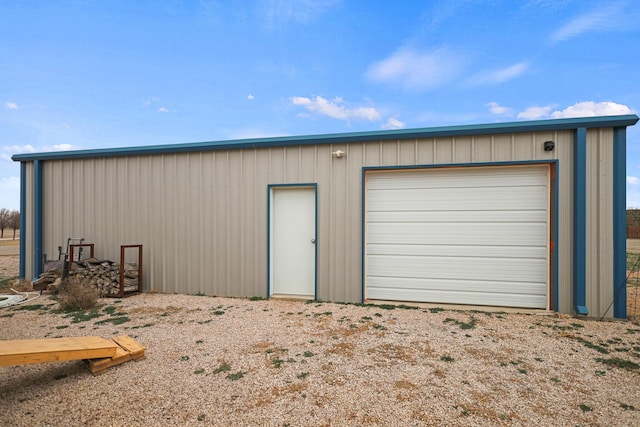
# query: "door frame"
271,188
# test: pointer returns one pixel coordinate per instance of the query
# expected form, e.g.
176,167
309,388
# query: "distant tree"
4,220
633,217
14,222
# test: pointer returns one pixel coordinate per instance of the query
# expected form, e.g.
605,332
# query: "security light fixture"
549,145
338,154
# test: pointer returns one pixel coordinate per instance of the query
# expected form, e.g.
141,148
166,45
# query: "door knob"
313,241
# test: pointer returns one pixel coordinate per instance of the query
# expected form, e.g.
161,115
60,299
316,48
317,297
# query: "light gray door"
293,234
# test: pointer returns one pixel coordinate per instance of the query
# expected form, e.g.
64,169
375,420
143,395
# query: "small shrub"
224,367
76,295
83,316
236,376
619,363
32,307
302,375
198,371
110,309
218,312
585,408
201,417
308,354
627,407
469,325
446,358
114,320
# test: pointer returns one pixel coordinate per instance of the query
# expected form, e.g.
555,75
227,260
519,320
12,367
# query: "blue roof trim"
435,132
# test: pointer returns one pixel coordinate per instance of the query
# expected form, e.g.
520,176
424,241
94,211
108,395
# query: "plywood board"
20,352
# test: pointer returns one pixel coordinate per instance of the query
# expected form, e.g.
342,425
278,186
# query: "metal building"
525,214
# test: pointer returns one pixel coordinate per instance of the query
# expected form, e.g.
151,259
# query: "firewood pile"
103,275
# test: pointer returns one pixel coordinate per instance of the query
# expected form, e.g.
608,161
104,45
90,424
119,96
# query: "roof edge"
434,132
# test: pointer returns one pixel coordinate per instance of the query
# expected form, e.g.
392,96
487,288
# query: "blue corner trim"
580,221
435,132
23,219
556,239
362,234
619,223
37,218
270,187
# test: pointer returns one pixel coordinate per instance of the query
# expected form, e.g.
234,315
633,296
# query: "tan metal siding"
599,239
564,245
202,217
29,222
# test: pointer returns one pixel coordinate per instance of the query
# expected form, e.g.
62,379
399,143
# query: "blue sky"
88,74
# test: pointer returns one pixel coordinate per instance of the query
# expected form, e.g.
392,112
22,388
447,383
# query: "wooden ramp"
128,349
99,353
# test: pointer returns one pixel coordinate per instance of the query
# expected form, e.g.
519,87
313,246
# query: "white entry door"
293,240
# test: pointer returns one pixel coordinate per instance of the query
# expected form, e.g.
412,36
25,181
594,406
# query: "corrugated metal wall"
599,239
202,216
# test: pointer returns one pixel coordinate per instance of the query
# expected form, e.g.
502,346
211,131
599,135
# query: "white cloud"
532,113
616,16
163,110
10,150
10,192
498,109
59,147
417,70
149,100
250,97
11,105
393,123
633,180
336,109
500,76
280,12
591,109
579,109
16,149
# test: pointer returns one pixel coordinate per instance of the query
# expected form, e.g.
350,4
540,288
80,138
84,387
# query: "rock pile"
103,275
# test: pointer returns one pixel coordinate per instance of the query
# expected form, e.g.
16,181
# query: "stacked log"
103,275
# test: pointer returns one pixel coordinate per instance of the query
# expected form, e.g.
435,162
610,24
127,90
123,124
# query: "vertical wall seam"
580,221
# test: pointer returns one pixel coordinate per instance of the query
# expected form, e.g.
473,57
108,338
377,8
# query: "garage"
525,215
459,235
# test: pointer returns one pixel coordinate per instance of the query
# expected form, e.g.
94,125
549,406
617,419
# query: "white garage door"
475,235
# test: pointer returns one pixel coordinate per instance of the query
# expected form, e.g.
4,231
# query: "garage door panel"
443,178
471,216
457,199
481,269
476,235
471,298
451,285
467,251
457,234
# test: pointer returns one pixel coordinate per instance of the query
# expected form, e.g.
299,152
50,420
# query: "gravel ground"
224,361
